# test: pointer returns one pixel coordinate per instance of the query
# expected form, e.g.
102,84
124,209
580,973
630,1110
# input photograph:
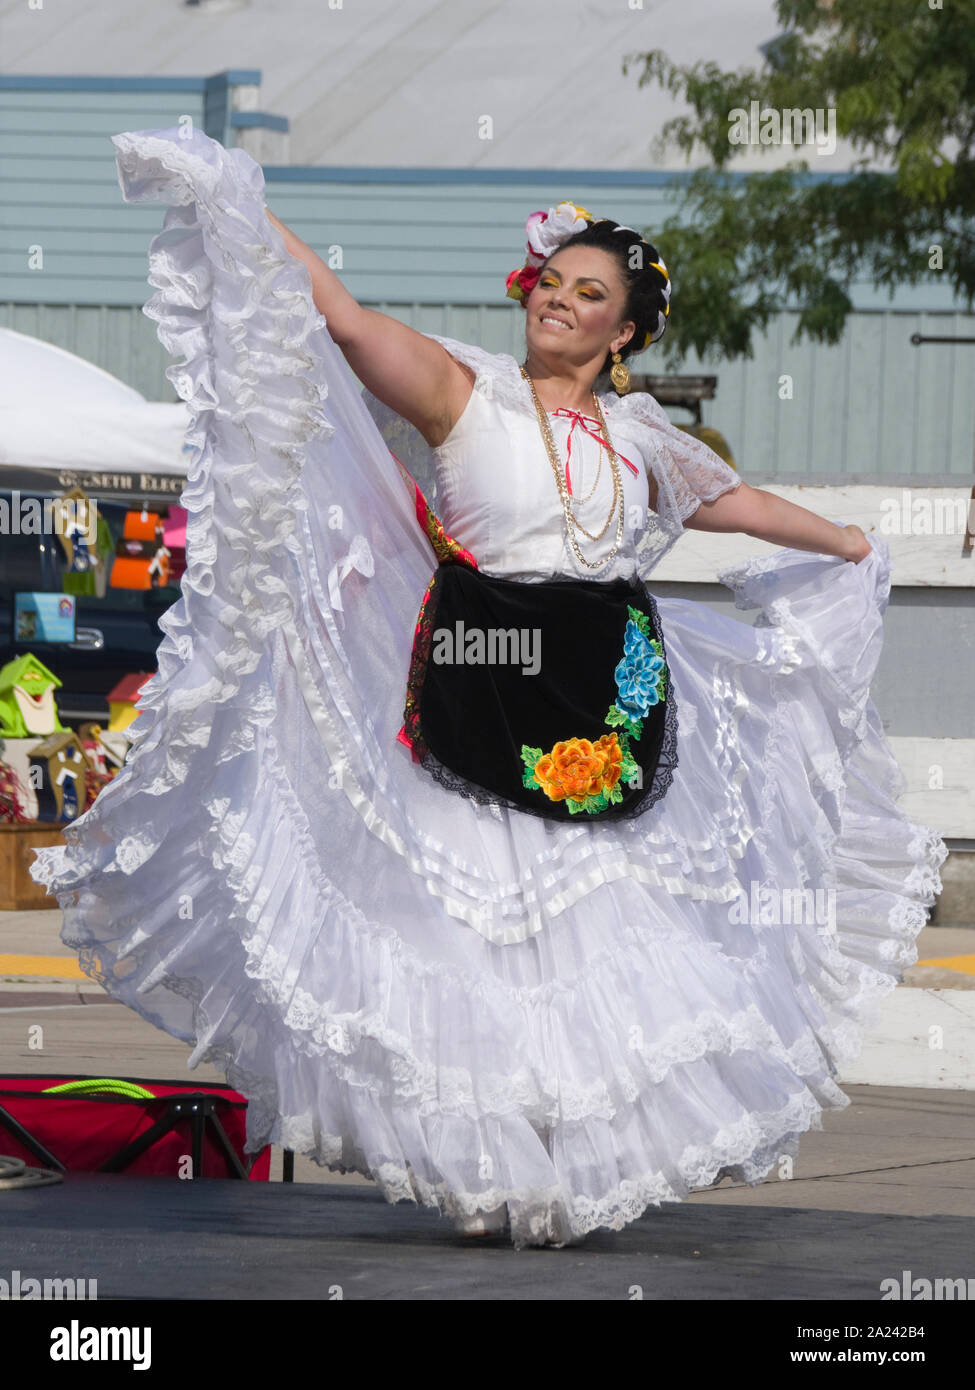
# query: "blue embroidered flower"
639,674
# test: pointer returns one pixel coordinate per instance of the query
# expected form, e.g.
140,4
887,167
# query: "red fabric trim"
444,547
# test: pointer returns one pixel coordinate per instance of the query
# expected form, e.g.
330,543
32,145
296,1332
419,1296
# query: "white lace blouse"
492,485
498,495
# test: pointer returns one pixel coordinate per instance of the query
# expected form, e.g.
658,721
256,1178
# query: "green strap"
100,1086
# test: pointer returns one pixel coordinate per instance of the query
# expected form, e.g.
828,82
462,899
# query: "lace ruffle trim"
230,598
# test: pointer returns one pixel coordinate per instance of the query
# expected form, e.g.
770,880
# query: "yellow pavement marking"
50,967
966,964
67,967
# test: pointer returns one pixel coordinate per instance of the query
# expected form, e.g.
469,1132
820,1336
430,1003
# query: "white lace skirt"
474,1007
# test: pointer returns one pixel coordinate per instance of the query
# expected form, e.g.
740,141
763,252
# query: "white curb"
921,1037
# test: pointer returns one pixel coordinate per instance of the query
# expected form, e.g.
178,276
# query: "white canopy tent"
62,415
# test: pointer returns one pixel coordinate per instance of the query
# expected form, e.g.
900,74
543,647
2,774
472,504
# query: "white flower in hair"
548,230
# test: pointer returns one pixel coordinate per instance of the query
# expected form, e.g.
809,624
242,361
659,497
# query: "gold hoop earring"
620,375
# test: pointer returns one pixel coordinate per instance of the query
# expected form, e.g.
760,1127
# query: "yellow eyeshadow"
555,282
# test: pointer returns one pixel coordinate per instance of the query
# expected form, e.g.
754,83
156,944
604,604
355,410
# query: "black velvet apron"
553,697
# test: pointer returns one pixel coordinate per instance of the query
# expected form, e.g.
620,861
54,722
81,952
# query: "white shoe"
483,1223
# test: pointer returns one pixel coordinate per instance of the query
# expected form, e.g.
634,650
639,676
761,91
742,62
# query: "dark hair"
647,289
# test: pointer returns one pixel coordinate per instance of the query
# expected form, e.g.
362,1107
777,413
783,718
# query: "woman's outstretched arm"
770,518
410,373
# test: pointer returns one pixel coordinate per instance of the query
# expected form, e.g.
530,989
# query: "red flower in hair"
520,283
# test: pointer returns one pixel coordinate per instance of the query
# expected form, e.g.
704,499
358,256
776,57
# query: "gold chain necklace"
599,471
592,491
571,521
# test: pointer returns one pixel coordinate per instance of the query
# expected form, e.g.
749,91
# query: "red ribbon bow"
577,418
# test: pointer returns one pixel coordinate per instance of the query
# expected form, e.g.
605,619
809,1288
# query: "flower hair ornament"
547,231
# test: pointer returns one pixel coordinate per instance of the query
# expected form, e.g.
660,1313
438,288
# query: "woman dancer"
477,868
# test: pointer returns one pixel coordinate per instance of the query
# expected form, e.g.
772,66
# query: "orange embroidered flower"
577,768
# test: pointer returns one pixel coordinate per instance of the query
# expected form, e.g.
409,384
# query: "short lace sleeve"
687,472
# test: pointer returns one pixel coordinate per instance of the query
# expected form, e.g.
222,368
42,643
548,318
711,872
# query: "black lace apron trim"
553,698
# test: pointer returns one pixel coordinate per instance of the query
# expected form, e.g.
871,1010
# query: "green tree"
900,76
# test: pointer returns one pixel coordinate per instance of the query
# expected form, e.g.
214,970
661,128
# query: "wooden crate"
17,888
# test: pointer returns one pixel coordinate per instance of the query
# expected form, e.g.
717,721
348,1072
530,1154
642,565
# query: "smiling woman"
482,929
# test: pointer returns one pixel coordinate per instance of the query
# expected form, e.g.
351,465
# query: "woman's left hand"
857,547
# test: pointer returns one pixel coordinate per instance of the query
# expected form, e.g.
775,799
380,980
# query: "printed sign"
42,617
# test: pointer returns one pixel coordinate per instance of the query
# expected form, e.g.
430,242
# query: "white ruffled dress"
476,1007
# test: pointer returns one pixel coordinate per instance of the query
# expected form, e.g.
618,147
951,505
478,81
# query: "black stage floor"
159,1238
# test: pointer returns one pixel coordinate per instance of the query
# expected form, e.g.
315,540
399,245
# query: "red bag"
177,1131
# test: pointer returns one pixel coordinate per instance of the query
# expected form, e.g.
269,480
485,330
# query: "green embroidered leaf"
615,796
641,620
657,648
590,804
634,731
615,718
530,757
630,766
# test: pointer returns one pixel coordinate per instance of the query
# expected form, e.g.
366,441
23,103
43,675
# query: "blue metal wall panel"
874,406
432,247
